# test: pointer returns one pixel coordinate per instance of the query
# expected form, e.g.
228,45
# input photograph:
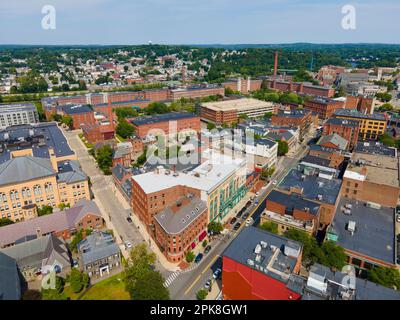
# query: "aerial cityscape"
201,172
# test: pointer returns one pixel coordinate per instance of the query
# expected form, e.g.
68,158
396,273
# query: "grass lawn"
112,288
69,293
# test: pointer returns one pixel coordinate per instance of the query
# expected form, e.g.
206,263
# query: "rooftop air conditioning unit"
257,250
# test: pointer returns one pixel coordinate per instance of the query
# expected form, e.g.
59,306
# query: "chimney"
276,64
53,159
38,232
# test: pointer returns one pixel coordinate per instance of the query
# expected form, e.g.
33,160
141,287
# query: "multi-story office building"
324,107
229,111
16,114
371,125
181,226
372,178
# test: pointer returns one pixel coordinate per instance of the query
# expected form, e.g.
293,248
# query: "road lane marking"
202,273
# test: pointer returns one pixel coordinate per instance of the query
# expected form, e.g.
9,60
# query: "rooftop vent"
263,244
257,249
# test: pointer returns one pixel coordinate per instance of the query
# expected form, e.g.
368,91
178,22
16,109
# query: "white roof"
354,175
205,177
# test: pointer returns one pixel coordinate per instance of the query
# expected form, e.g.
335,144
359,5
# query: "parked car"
207,249
128,245
237,226
244,217
257,194
208,285
217,273
239,214
257,201
274,182
129,219
233,220
249,222
198,258
398,218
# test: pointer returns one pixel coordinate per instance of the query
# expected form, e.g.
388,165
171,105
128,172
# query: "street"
187,284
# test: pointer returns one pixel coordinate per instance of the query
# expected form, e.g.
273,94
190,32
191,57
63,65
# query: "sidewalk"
141,228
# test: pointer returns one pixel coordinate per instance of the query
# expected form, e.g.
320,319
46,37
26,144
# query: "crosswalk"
171,278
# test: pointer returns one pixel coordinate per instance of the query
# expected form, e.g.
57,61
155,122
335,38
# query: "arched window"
48,187
26,192
3,197
37,190
14,195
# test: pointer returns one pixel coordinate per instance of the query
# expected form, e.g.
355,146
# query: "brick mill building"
347,129
166,124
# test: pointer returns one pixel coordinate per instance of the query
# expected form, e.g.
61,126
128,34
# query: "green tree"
386,107
384,96
123,113
68,121
333,255
150,287
141,281
283,147
77,280
267,172
44,210
31,294
190,256
124,129
387,140
268,115
387,277
204,244
201,294
78,237
5,222
215,227
211,126
270,227
157,108
104,158
63,206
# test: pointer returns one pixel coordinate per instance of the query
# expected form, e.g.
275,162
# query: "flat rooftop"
276,257
39,137
375,147
379,169
176,218
374,234
204,177
171,116
243,104
312,186
6,108
343,122
76,108
293,201
359,115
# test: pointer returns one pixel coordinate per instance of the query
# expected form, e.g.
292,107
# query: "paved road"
105,195
186,285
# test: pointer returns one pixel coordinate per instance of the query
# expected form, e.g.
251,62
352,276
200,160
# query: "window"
14,195
37,190
48,187
26,192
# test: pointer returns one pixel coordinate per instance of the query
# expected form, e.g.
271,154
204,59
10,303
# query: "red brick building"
258,265
197,92
166,124
347,129
97,133
301,119
324,107
181,226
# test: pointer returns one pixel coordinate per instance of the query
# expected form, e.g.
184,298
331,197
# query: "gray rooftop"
71,109
293,201
375,147
335,139
39,252
358,115
39,137
374,235
56,222
10,287
70,172
312,186
172,116
24,169
178,217
6,108
242,249
343,122
98,245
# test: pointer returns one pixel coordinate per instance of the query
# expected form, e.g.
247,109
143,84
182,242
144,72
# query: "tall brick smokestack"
276,64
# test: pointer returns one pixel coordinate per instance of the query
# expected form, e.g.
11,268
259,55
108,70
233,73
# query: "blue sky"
198,21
